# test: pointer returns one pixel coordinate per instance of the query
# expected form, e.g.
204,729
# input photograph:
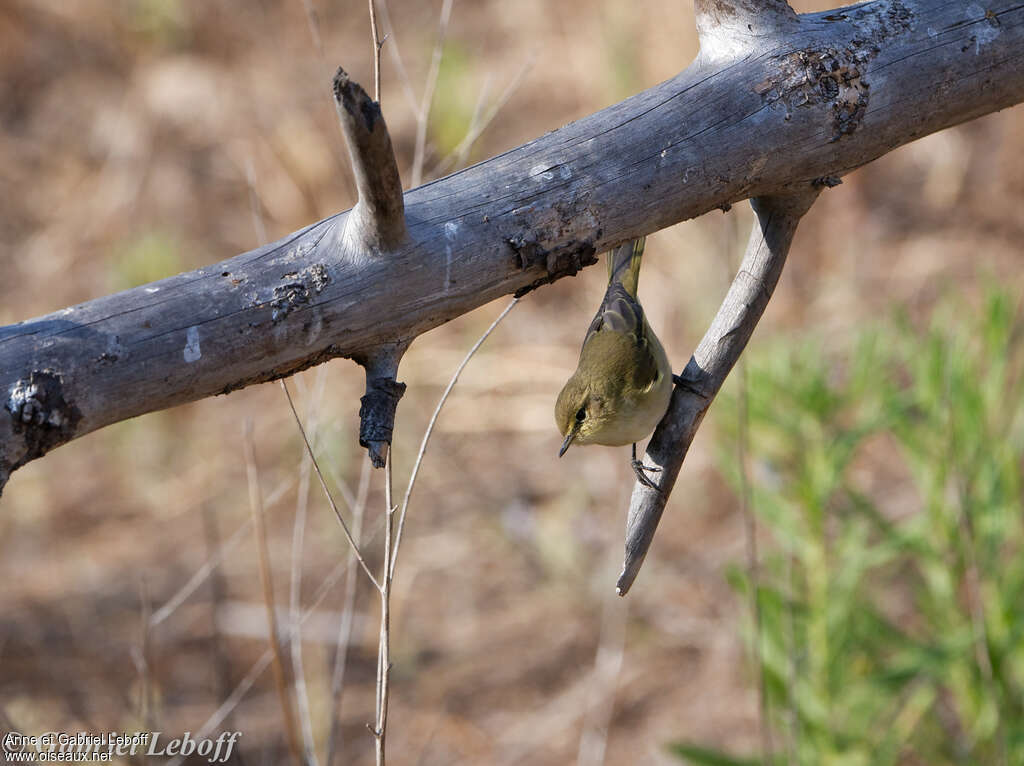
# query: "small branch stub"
777,219
377,417
377,222
379,404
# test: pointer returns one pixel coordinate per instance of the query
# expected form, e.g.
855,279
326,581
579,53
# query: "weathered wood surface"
766,109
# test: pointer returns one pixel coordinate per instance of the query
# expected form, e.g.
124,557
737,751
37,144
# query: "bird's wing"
620,312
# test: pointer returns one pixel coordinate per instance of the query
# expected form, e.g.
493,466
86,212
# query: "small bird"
623,381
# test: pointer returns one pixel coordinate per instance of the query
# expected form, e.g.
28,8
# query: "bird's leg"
639,469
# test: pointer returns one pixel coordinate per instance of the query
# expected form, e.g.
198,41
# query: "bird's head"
581,412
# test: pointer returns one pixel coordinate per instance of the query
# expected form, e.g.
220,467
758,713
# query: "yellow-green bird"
623,381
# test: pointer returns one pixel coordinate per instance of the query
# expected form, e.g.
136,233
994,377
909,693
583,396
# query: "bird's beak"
568,441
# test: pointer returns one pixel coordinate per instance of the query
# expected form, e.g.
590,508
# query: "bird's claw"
640,470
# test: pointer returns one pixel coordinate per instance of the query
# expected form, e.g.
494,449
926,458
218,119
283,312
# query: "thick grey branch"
836,91
721,346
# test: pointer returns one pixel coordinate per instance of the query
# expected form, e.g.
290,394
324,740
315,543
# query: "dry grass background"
132,132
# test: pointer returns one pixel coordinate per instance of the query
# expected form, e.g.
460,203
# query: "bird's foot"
641,473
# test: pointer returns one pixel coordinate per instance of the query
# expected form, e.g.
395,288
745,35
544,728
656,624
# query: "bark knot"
41,413
301,286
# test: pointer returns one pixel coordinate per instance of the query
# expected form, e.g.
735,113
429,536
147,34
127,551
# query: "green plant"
889,477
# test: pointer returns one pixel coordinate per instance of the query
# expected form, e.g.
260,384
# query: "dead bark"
775,104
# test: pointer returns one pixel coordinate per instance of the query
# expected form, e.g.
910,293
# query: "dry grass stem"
384,645
396,56
327,492
377,43
423,115
266,581
345,623
295,591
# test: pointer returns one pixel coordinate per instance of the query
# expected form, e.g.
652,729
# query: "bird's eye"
581,414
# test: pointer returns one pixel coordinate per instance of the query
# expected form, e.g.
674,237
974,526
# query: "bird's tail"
624,264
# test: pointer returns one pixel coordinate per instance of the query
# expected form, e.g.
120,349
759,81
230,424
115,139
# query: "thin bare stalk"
144,659
384,645
396,57
430,430
423,116
295,591
255,204
327,492
346,622
219,664
377,43
256,507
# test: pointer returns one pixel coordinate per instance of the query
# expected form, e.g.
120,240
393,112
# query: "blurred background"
875,430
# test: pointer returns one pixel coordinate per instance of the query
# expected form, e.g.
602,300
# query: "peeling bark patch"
560,262
301,286
827,78
40,412
192,352
987,32
833,77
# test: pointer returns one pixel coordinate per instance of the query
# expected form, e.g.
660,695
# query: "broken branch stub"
374,228
377,222
777,219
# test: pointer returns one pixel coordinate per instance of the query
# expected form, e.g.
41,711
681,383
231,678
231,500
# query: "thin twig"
396,56
377,43
219,664
384,645
430,429
346,622
295,591
256,507
327,492
144,660
423,116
